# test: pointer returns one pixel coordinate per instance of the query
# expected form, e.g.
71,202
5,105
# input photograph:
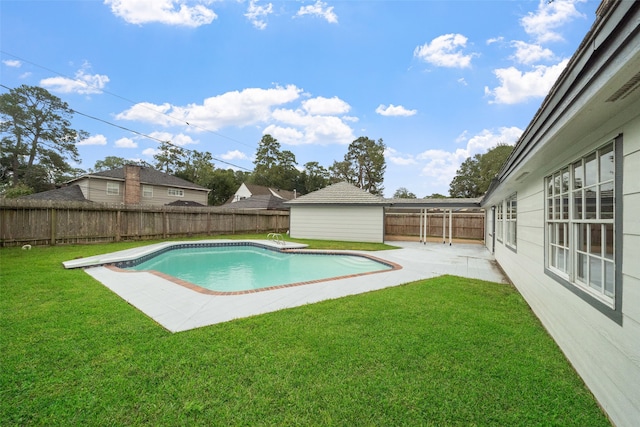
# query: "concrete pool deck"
178,308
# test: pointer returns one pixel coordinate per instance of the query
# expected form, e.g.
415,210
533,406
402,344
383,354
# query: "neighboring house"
130,185
246,191
268,202
562,214
338,212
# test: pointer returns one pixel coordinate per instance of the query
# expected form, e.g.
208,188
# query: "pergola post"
450,225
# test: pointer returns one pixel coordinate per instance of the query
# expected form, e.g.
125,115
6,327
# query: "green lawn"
445,351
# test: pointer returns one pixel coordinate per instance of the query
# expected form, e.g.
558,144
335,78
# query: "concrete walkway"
178,308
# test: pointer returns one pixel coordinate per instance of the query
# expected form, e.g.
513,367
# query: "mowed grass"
445,351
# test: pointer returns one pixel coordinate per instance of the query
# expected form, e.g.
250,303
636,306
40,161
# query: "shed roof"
341,193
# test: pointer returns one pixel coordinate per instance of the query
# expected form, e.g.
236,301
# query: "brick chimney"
132,188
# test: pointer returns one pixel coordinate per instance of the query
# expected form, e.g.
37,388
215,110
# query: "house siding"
95,189
345,223
604,352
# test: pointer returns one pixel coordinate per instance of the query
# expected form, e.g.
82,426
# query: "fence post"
54,215
118,234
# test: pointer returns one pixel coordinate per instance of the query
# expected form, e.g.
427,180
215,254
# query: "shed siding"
606,354
346,223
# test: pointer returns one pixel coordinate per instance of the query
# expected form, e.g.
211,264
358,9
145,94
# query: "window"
511,221
113,188
147,191
499,223
581,224
176,192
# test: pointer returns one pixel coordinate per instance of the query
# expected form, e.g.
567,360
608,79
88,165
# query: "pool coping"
178,308
292,249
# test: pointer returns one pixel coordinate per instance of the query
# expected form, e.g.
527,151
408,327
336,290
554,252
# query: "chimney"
132,188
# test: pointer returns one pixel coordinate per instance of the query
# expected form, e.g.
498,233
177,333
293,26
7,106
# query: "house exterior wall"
346,223
95,189
604,351
242,193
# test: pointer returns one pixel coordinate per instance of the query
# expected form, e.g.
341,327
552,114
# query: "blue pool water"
241,268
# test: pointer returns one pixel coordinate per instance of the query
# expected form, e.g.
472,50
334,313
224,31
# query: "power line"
126,99
143,134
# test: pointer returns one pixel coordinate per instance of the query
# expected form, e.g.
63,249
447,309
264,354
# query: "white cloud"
169,12
234,155
321,10
126,143
527,53
150,113
550,16
297,127
445,51
180,139
396,158
94,140
518,86
321,105
83,83
316,120
393,110
14,63
257,14
441,165
236,108
495,40
150,152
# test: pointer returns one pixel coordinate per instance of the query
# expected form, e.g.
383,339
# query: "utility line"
143,134
126,99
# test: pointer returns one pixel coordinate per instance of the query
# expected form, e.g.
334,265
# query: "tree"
403,193
475,173
109,163
170,158
223,185
37,140
314,177
273,167
436,196
364,165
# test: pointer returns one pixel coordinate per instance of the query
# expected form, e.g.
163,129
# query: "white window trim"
147,191
175,192
113,188
511,221
610,305
500,221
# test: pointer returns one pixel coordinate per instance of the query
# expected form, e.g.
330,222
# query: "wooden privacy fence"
464,225
38,222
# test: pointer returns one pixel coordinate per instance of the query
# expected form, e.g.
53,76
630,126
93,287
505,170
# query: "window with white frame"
580,223
113,188
511,221
147,191
499,222
175,192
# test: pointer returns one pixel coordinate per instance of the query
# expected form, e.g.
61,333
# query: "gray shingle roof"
72,193
259,190
258,202
147,176
341,193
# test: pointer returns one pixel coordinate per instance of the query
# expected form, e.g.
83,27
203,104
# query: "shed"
340,211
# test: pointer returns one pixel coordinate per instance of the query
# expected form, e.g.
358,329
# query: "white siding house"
564,211
338,212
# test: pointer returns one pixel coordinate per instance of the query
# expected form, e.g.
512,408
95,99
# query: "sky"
437,81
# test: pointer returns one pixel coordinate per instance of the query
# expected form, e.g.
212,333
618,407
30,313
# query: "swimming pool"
242,267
